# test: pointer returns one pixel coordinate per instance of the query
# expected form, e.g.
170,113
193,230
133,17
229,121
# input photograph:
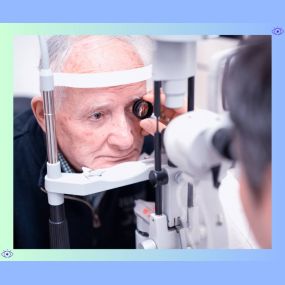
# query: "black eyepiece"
142,109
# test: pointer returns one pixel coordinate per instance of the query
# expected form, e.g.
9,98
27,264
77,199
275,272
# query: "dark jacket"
112,225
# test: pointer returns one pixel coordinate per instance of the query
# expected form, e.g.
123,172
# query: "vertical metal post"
190,107
49,116
59,237
190,99
157,148
58,228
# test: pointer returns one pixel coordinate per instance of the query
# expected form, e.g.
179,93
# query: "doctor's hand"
166,115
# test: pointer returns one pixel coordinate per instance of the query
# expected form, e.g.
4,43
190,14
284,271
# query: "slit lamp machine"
191,155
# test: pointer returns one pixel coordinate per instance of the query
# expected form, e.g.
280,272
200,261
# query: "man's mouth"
119,157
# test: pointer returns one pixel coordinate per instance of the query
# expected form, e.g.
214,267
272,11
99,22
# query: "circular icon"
7,253
277,31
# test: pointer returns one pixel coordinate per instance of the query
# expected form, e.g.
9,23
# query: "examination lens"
142,109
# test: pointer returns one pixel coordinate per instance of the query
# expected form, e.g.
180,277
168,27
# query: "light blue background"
145,273
271,271
143,11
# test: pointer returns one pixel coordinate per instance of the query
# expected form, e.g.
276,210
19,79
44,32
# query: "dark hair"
247,92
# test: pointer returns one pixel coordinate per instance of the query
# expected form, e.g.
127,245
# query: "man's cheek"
70,135
85,134
80,132
86,142
64,127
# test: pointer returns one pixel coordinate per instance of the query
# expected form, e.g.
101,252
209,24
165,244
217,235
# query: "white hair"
59,47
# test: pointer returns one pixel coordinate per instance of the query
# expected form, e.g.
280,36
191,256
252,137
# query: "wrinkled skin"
95,127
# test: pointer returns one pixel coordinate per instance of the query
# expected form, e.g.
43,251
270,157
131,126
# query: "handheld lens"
142,109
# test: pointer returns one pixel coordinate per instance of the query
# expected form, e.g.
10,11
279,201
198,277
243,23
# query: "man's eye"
97,116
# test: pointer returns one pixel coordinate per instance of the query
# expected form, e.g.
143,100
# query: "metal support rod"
59,237
49,116
157,147
190,107
58,228
190,101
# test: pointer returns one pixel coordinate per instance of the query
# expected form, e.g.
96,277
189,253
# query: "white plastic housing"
188,142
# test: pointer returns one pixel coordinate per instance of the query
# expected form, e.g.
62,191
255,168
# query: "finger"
150,97
177,111
144,133
149,126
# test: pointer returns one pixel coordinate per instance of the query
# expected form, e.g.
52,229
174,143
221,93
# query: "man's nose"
121,134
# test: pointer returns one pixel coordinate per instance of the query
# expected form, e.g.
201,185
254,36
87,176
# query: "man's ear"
38,110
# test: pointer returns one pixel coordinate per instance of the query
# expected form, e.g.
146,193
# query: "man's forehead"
81,101
125,93
101,54
135,87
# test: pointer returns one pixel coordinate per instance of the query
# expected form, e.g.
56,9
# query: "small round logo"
277,31
7,253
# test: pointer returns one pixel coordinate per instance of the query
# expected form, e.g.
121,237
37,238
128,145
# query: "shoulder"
23,123
29,145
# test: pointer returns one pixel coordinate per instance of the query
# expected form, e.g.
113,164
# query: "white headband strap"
104,79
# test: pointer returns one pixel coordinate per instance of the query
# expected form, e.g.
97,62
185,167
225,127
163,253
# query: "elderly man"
95,128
